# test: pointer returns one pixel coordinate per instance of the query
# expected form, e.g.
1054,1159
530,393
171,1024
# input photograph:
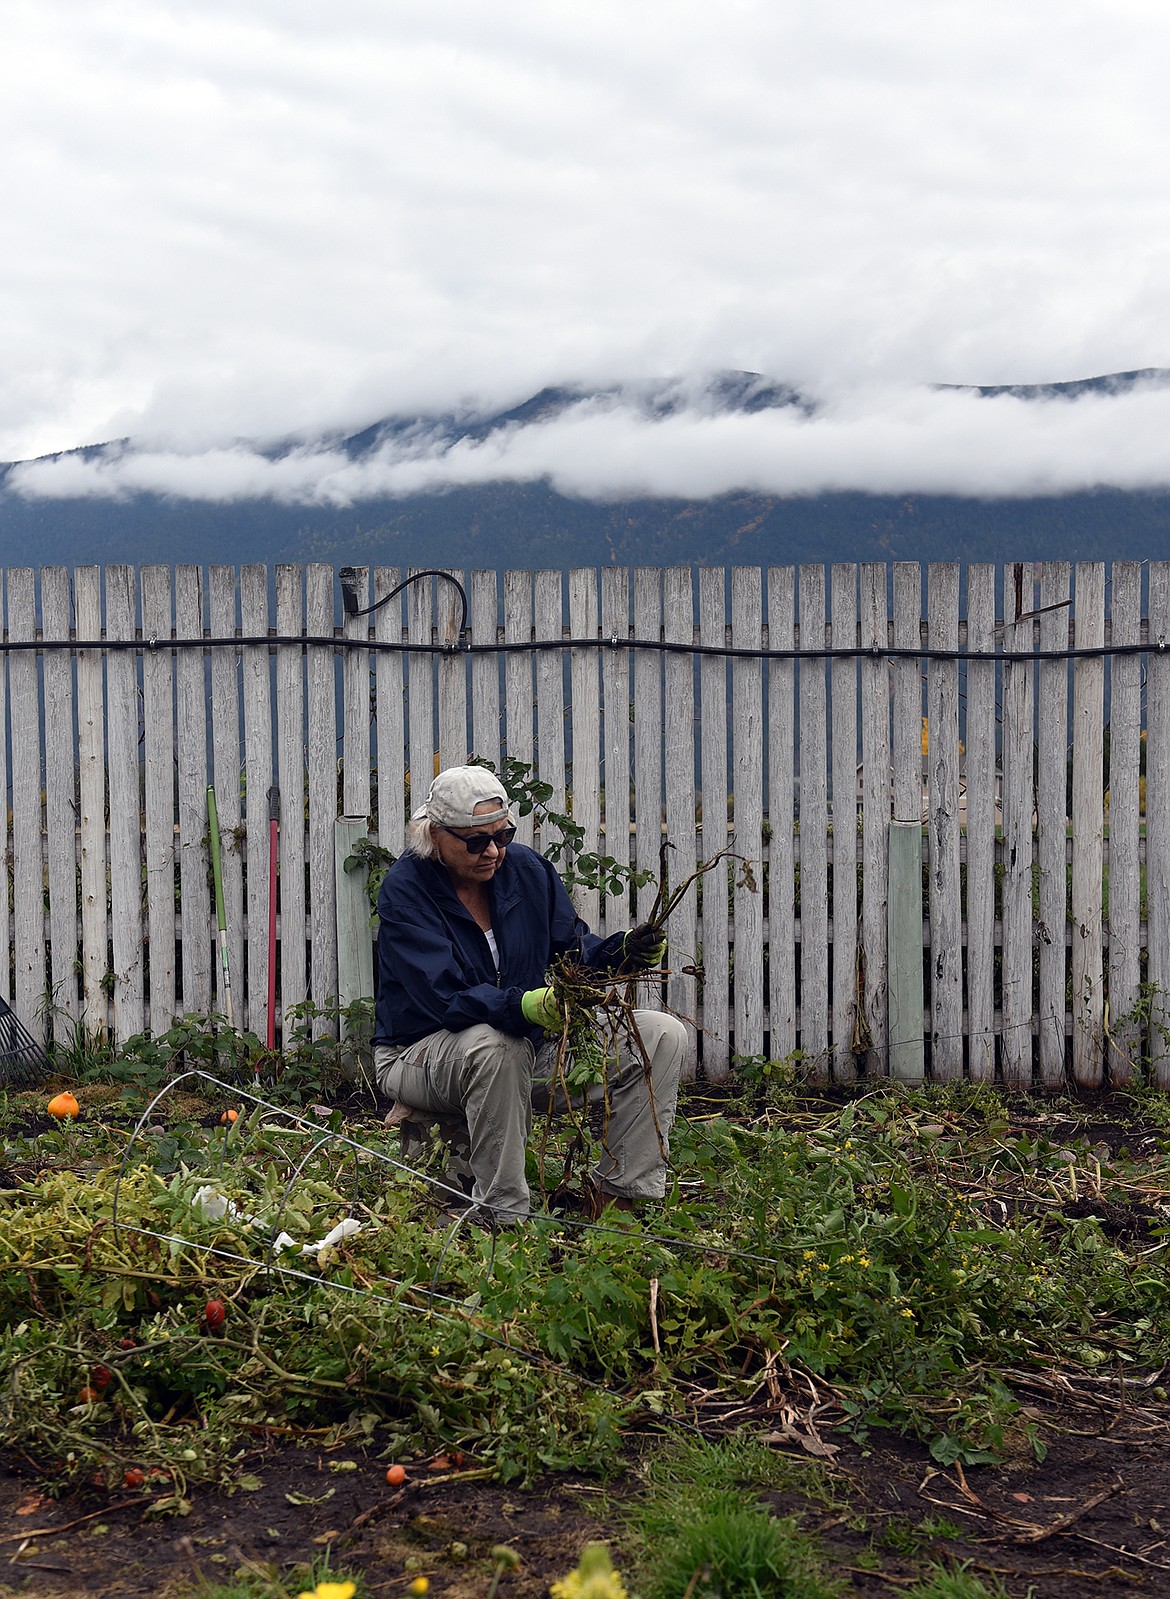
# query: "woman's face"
465,868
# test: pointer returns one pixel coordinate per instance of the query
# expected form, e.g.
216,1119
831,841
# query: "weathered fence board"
814,824
982,789
158,734
519,692
615,699
27,851
782,1034
713,749
258,778
61,799
290,738
322,791
1051,778
191,736
873,1031
1018,803
843,813
747,732
792,735
1158,820
942,740
1088,829
1124,882
906,1045
125,806
227,778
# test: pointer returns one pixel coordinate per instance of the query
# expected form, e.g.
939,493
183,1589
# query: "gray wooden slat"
875,813
28,861
191,740
1051,823
61,805
550,695
1158,822
982,788
681,820
1123,1035
228,779
259,775
355,699
716,885
485,669
616,730
781,816
158,723
946,918
126,863
391,717
322,761
452,676
747,732
814,823
907,1047
1018,801
420,678
843,688
290,746
647,732
6,885
520,698
586,709
91,783
1088,827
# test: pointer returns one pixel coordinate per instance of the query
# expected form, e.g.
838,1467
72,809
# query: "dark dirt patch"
1091,1519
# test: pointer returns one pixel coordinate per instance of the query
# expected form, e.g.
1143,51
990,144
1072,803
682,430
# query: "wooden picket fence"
946,855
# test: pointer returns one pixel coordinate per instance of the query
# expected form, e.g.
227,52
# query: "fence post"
907,1051
355,947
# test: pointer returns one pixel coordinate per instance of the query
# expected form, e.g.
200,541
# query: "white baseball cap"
455,793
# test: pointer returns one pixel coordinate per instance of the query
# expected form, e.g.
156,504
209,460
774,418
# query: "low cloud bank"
887,441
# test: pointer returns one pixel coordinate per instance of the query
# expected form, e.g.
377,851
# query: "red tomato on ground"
214,1313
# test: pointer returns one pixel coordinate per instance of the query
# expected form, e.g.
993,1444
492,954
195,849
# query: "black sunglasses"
478,842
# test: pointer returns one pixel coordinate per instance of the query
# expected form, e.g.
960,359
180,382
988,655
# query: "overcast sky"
231,220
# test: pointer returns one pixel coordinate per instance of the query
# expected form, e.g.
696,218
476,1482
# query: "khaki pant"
497,1081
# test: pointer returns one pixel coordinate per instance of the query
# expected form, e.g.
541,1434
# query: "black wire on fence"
464,646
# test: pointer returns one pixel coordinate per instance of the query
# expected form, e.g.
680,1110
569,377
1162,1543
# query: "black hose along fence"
942,795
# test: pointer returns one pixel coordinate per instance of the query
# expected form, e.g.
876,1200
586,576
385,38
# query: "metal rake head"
23,1062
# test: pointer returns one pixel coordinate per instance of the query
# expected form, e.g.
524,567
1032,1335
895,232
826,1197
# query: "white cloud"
882,440
267,217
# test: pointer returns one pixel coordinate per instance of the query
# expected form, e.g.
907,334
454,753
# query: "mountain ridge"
531,523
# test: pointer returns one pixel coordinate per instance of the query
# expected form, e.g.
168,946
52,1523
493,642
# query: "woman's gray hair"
420,839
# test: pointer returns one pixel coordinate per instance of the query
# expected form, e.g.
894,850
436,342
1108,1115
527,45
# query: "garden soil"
1092,1519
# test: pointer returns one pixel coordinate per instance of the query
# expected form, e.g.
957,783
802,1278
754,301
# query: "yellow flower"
330,1590
863,1260
810,1254
594,1577
908,1313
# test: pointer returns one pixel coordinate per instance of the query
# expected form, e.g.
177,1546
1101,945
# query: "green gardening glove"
643,947
541,1009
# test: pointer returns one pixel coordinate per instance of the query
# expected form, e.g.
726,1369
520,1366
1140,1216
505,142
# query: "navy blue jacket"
435,970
